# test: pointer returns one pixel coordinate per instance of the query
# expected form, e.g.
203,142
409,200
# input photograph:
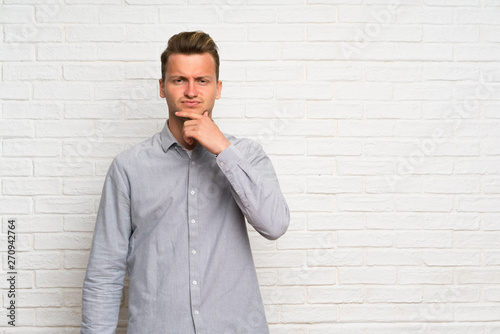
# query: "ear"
219,89
162,92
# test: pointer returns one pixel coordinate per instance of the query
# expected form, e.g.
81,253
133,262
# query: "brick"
424,203
479,204
452,258
66,14
62,91
335,258
381,16
16,129
383,257
238,15
308,314
454,34
279,33
439,71
274,110
331,33
309,240
82,186
451,185
31,110
427,15
393,295
66,205
453,294
477,312
308,51
63,241
248,91
62,167
315,14
337,221
364,167
17,14
380,185
283,295
59,278
395,313
316,91
425,275
303,166
44,298
32,33
95,33
311,203
365,128
452,222
334,147
58,317
424,52
306,276
367,275
15,91
27,71
31,186
422,92
38,260
93,110
424,239
328,184
17,52
76,260
369,203
279,259
333,71
31,148
394,221
36,223
128,14
270,71
334,110
365,238
329,295
79,223
133,90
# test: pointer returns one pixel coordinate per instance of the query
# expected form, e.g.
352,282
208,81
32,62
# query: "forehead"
191,65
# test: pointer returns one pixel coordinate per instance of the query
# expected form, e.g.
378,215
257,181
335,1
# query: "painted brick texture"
382,119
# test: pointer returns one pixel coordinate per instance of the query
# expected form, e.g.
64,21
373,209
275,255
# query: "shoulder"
139,153
244,145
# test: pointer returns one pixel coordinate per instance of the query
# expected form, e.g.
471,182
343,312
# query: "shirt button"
196,312
193,251
222,163
193,221
193,192
194,282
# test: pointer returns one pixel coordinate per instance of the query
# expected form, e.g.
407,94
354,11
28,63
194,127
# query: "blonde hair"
188,43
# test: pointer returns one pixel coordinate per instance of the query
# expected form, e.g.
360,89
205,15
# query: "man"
172,210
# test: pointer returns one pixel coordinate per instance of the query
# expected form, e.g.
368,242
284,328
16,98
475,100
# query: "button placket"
193,235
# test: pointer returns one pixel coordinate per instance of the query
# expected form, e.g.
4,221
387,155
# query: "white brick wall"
382,118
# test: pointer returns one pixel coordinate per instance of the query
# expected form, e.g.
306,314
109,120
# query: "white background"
381,118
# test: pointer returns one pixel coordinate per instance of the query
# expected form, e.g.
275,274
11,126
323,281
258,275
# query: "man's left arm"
255,188
254,184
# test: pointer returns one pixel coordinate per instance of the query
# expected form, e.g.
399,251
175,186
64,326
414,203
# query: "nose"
191,90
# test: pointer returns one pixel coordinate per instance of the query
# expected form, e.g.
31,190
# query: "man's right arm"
103,283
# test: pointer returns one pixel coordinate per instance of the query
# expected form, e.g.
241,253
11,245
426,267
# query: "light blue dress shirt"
177,223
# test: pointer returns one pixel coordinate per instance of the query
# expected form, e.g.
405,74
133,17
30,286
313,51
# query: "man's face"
190,84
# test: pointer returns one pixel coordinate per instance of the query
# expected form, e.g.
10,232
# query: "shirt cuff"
228,158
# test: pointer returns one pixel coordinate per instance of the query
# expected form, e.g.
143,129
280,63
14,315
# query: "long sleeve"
103,283
255,188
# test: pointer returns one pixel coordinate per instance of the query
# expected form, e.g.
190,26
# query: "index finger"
187,114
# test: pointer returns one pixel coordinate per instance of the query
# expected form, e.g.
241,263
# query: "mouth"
191,104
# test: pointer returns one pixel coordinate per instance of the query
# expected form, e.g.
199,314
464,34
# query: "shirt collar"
167,138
